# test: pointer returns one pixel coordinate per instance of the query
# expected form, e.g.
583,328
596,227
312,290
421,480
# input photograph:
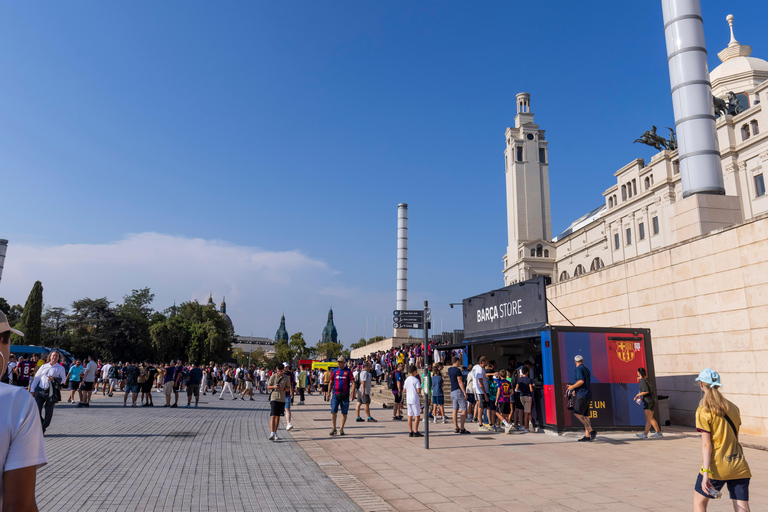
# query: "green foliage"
195,333
55,332
299,346
283,352
328,350
32,317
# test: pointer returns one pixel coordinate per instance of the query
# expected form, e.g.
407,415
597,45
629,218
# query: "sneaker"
410,434
359,419
251,399
276,438
195,406
526,430
333,432
444,420
234,398
508,429
241,398
586,439
434,421
417,434
371,420
657,434
341,432
592,435
166,405
187,406
174,405
221,398
289,426
69,401
642,435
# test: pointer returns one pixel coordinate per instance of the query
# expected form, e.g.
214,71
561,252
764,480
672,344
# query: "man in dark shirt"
169,383
583,396
458,396
194,378
131,383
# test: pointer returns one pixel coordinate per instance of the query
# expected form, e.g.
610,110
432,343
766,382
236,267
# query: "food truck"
511,323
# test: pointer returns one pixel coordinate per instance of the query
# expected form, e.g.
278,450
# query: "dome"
739,72
228,321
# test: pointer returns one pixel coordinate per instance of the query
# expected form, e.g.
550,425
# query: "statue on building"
649,138
734,104
721,107
672,141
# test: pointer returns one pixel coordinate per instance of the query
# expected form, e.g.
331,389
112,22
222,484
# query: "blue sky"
296,128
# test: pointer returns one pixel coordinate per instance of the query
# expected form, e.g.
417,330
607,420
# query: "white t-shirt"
471,382
21,436
378,369
365,382
45,371
91,369
412,386
479,373
105,371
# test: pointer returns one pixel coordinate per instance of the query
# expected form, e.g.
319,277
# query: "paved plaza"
218,458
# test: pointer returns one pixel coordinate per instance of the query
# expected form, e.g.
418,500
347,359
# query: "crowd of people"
497,399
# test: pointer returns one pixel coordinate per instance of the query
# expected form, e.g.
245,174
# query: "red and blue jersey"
340,380
505,390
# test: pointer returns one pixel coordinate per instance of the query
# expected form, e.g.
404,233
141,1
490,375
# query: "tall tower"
529,228
402,264
282,332
330,335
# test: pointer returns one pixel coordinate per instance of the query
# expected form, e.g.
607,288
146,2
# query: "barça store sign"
612,357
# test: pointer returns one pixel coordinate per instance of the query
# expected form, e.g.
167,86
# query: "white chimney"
3,249
402,264
700,167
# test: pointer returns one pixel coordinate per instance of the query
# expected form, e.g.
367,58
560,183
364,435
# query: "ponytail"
713,401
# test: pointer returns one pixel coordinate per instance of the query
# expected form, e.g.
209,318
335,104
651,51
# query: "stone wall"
386,344
706,303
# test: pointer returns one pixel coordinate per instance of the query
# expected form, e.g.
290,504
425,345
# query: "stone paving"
518,472
217,457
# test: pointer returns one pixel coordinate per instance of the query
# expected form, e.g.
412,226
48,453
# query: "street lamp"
456,304
3,249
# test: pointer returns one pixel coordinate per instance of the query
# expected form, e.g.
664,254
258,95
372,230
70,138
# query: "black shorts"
87,386
504,408
580,405
74,385
398,398
146,387
470,398
325,388
491,406
486,404
276,408
649,406
738,489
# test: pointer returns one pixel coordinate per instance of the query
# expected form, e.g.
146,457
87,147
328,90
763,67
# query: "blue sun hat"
709,376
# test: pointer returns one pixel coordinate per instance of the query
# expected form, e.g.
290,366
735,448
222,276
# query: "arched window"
623,192
533,253
647,183
755,129
610,202
745,132
597,264
563,275
615,200
634,187
539,250
546,253
578,271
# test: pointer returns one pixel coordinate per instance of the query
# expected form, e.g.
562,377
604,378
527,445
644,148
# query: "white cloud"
258,284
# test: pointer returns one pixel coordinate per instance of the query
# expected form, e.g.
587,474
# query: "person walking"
132,373
582,396
647,397
169,383
340,387
438,400
723,460
46,387
289,396
89,378
22,448
194,378
278,385
228,381
482,401
412,387
458,397
146,391
525,388
73,377
398,379
301,383
105,378
364,393
113,374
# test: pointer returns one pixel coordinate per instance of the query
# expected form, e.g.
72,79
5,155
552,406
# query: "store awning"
497,336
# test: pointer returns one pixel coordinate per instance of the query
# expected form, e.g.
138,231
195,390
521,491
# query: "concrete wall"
386,344
706,303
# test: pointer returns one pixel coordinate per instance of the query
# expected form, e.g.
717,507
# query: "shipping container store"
512,322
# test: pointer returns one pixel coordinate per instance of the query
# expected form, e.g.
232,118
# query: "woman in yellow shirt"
723,460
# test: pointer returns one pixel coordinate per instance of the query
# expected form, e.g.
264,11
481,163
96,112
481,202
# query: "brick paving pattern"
217,457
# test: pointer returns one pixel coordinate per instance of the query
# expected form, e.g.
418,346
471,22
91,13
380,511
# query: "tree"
194,332
299,346
13,313
135,315
32,317
328,350
94,330
55,322
259,356
283,352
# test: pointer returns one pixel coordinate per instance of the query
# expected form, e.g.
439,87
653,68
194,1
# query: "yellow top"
728,461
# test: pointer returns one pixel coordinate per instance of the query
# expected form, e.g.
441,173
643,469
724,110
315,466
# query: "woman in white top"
22,448
42,386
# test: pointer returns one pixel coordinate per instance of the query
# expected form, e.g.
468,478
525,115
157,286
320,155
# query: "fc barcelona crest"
625,351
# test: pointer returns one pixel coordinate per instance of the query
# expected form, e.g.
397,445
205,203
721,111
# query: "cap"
5,326
709,376
578,358
341,359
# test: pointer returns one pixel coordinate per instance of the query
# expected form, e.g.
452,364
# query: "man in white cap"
22,449
583,396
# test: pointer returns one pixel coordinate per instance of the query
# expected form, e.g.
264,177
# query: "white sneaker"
657,434
435,420
508,429
276,438
642,435
444,420
289,426
272,436
526,431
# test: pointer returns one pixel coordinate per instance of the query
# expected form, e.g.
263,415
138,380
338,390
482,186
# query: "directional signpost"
408,319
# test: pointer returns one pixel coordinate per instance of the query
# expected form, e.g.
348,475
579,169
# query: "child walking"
412,390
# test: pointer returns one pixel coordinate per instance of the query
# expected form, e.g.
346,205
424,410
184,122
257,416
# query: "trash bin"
663,402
